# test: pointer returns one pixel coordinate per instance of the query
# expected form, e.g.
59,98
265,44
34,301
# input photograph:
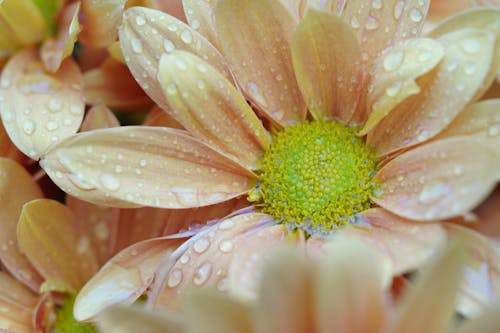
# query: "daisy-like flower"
360,127
342,293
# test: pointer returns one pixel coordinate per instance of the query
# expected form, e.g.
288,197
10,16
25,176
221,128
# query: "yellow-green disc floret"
66,323
315,176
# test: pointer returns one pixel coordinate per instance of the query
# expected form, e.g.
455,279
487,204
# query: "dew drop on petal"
393,60
226,224
202,274
195,24
471,45
168,45
186,36
201,245
398,9
254,90
416,15
109,181
226,246
377,4
434,191
81,183
52,125
29,126
140,20
55,105
371,23
354,22
172,27
136,45
175,278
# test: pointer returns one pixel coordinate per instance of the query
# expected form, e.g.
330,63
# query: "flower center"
315,176
65,322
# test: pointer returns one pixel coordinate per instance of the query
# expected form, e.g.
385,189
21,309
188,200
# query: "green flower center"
315,176
66,323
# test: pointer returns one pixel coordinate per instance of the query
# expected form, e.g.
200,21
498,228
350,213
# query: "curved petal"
206,259
99,116
395,74
488,215
261,60
407,244
17,304
16,188
208,106
438,180
55,50
100,20
141,165
56,245
384,23
40,109
445,92
112,84
200,15
158,117
124,277
327,62
146,34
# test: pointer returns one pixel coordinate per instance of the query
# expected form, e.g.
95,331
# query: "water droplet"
140,20
175,278
201,67
470,68
434,191
143,163
471,45
52,125
226,246
452,65
168,45
110,182
83,245
202,274
424,135
7,116
200,83
354,22
255,92
226,224
460,85
201,245
398,9
181,64
172,88
55,105
393,60
76,110
223,284
172,27
29,126
184,259
136,45
80,182
371,23
493,130
195,24
377,4
416,15
101,231
393,89
186,36
458,170
425,56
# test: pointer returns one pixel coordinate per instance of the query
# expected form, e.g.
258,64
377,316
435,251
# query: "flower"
342,293
412,97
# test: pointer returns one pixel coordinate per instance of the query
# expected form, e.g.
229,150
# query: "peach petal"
442,179
407,244
145,34
395,73
124,277
201,17
16,188
9,150
17,304
100,223
445,92
40,109
205,259
140,165
327,62
100,20
99,116
439,283
480,119
56,245
349,288
488,215
132,319
43,317
298,7
55,50
158,117
481,286
261,61
209,107
112,84
384,23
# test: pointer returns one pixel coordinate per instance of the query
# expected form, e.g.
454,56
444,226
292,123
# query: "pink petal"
99,116
158,117
201,17
438,180
140,165
208,106
261,61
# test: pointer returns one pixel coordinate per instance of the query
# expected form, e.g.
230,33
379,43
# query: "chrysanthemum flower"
360,127
342,293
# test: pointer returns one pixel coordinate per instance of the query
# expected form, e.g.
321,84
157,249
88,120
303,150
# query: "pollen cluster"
315,176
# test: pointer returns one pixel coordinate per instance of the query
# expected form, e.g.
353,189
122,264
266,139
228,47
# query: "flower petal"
261,60
327,62
487,322
439,283
438,180
145,34
407,244
201,17
40,109
395,73
158,117
124,277
58,248
205,259
17,304
16,188
100,20
481,286
112,84
445,92
141,165
208,106
383,23
99,116
55,50
349,288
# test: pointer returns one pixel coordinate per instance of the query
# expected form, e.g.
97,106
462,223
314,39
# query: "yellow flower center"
315,176
66,323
